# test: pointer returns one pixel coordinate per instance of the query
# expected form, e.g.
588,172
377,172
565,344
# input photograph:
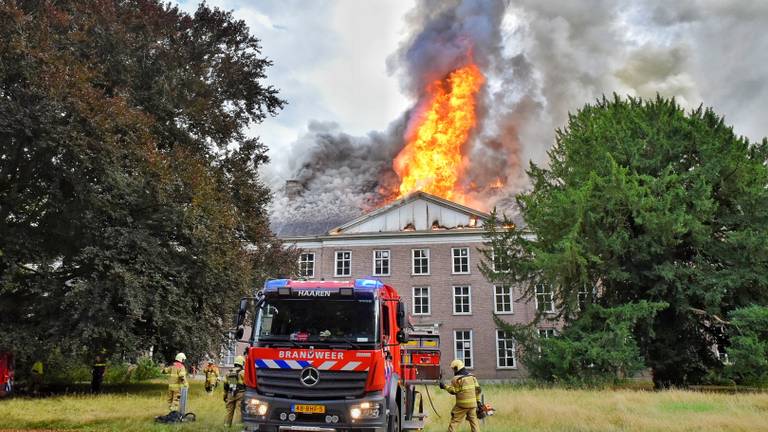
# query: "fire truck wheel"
393,423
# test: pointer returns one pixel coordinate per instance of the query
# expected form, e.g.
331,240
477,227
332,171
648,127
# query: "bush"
146,369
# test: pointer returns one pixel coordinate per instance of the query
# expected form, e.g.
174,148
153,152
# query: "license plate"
308,409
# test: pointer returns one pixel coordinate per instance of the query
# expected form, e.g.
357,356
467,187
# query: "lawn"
517,410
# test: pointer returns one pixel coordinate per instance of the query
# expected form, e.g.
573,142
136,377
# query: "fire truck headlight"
255,406
365,410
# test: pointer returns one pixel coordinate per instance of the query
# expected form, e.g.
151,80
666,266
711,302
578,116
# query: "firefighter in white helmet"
467,391
176,380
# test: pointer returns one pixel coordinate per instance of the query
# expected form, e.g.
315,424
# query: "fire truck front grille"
332,384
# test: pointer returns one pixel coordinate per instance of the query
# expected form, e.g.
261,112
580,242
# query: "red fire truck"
328,356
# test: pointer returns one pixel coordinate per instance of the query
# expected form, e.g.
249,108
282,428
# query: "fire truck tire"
393,423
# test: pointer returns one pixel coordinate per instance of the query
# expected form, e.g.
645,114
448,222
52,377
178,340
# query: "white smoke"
542,60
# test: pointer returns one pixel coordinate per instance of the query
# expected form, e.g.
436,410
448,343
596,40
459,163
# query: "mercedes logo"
309,376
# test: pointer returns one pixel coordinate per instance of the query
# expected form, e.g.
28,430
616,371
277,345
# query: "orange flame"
431,160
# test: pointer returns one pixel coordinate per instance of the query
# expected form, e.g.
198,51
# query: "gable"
416,212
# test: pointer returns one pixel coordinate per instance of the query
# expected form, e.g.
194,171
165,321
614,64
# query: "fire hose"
429,397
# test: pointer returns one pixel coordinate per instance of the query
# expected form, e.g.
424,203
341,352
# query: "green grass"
134,408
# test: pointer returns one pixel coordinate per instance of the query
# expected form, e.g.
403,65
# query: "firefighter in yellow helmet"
176,380
467,391
234,389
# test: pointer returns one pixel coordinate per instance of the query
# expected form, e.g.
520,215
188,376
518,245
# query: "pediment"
418,211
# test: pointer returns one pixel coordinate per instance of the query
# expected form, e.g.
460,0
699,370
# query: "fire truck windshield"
305,320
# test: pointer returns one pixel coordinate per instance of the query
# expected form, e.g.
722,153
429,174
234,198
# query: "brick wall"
441,281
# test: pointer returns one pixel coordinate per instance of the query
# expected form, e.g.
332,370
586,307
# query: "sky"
351,70
329,63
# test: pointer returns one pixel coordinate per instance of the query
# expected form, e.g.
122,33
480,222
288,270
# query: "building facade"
429,249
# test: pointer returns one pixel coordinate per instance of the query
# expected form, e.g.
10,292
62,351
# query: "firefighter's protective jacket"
177,376
211,374
467,390
235,380
37,368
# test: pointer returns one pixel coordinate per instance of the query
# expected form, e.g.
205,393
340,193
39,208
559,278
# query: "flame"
431,160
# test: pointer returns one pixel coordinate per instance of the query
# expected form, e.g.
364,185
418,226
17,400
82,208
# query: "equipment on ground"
328,355
181,415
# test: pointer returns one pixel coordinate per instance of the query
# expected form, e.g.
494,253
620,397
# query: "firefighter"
97,371
37,376
467,391
211,377
234,389
177,379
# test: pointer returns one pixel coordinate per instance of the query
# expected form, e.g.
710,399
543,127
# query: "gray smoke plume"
542,60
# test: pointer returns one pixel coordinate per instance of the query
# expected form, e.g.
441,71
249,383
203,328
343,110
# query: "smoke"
543,60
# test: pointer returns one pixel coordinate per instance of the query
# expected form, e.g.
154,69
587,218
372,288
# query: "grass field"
517,410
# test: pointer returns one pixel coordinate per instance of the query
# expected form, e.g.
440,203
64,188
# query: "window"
420,261
586,296
460,260
421,301
502,299
343,263
463,347
307,265
500,261
546,333
381,263
462,301
505,350
544,299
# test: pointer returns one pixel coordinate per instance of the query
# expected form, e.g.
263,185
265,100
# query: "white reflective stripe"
326,365
293,364
350,366
272,364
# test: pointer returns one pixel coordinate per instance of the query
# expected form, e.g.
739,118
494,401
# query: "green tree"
641,201
597,348
748,350
131,210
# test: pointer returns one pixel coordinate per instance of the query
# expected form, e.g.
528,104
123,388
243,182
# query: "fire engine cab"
329,355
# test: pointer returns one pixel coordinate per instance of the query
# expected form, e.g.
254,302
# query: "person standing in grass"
37,377
97,372
211,377
467,391
177,379
234,389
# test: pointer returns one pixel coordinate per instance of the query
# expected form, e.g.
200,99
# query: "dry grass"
517,410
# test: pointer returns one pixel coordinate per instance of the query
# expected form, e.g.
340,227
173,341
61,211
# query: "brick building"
429,250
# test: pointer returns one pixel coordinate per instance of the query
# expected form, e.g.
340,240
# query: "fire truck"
334,356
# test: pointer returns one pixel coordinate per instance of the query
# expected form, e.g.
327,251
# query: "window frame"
511,300
507,349
428,297
468,296
471,348
454,257
413,261
388,259
301,263
547,332
551,301
336,263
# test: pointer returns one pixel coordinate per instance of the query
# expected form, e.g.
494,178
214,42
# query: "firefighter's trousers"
173,399
234,400
458,415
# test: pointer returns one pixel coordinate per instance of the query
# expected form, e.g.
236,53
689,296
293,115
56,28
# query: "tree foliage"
131,211
748,350
642,201
597,348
